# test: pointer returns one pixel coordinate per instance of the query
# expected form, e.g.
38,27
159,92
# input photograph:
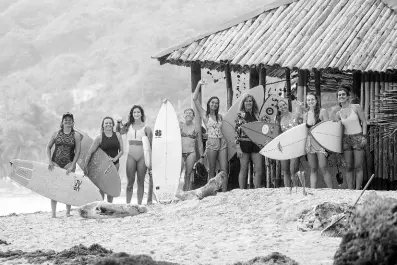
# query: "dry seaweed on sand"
3,242
372,236
123,258
76,255
271,259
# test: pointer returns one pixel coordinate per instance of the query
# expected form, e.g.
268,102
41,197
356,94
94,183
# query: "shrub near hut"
372,236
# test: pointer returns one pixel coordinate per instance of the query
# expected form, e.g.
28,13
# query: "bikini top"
307,118
192,135
136,135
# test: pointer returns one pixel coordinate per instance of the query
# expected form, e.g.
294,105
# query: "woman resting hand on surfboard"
245,148
111,143
316,154
354,136
288,120
135,129
216,146
189,136
67,150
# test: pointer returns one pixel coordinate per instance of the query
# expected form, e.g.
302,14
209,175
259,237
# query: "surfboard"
101,169
73,189
260,132
289,144
166,153
146,150
329,135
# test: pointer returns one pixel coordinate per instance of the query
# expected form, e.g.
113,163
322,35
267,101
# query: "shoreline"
223,229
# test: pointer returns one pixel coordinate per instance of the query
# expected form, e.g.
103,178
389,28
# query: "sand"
229,227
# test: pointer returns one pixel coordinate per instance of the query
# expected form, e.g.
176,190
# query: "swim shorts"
353,142
216,144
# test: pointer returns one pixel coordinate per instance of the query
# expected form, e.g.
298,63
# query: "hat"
67,114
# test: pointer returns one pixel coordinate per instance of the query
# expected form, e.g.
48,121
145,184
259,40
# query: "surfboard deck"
146,150
329,135
267,112
260,132
166,153
289,144
73,189
101,169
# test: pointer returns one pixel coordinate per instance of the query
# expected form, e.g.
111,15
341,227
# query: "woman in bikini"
316,154
216,146
246,149
111,143
288,120
67,150
135,129
354,137
189,135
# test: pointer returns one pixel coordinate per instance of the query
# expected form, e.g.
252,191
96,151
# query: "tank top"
214,128
110,145
287,124
242,118
188,140
307,119
64,148
136,135
351,123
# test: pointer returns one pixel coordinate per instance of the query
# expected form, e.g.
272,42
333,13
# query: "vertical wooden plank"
376,96
229,86
317,81
288,87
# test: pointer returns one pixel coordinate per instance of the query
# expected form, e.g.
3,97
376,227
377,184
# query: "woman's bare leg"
131,171
257,159
323,165
242,176
312,158
349,168
224,167
358,168
141,174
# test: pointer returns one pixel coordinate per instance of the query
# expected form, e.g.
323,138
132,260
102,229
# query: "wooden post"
254,78
288,87
229,86
266,171
372,96
376,96
300,90
367,95
195,76
362,92
317,84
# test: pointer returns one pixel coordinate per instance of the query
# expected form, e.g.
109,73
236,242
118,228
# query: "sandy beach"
230,227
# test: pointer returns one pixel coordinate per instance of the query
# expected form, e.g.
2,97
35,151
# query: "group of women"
67,143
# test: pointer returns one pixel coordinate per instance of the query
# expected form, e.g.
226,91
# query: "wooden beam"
301,83
229,86
288,87
317,84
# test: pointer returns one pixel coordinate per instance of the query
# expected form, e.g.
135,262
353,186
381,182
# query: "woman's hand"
70,168
51,165
239,152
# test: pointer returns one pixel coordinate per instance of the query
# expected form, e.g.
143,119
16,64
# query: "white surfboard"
147,152
267,112
73,189
166,153
290,144
329,135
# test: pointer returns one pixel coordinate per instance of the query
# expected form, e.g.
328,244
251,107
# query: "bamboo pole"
367,95
376,151
380,152
385,156
288,87
195,76
391,158
372,97
317,80
376,96
395,156
229,86
362,91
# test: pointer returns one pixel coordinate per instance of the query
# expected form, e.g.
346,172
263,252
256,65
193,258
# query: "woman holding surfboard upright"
216,146
189,136
135,129
111,143
67,151
246,149
354,137
316,154
288,120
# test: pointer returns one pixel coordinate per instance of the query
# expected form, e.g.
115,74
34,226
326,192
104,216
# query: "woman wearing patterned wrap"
111,143
288,120
67,151
316,154
246,149
216,146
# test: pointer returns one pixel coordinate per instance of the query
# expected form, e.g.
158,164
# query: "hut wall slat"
346,34
391,160
376,96
380,153
353,40
372,97
295,23
375,144
318,46
386,172
284,18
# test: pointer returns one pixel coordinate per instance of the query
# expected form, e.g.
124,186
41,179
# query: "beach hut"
326,42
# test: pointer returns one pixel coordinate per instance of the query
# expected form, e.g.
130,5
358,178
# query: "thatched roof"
342,35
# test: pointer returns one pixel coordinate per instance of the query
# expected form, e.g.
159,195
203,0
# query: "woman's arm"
149,134
94,146
361,115
121,128
49,146
121,152
304,117
324,115
196,101
77,150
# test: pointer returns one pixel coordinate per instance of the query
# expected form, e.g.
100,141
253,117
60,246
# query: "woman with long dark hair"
216,146
246,149
135,129
111,143
354,137
316,154
67,150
